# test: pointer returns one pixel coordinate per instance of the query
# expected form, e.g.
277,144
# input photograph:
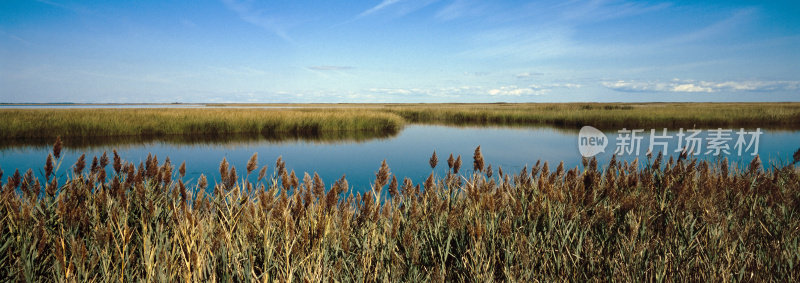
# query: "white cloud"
330,68
533,89
514,91
688,86
526,75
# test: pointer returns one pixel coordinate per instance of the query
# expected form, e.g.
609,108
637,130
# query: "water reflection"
230,140
359,156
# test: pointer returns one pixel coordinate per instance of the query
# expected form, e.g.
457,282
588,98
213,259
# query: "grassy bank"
320,120
607,115
50,123
675,220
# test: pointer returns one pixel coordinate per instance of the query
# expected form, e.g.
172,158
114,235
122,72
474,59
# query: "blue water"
407,154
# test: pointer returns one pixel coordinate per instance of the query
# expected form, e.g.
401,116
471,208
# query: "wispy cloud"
458,9
527,75
15,38
257,17
330,68
726,25
689,86
592,11
399,7
543,31
70,7
383,5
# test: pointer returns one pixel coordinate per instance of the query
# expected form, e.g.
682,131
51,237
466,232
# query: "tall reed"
675,220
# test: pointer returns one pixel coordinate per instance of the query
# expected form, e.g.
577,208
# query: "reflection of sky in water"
407,154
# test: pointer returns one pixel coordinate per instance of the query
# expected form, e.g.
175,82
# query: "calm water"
407,153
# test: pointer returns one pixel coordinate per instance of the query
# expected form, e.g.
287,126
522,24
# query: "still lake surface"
406,153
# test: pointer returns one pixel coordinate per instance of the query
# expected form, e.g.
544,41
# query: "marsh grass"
674,220
321,121
607,115
68,123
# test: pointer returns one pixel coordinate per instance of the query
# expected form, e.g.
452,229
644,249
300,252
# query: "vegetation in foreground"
318,121
675,220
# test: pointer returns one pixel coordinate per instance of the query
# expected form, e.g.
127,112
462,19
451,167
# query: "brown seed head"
429,183
434,160
117,162
477,163
252,164
319,186
408,187
457,165
232,178
51,187
223,170
93,169
104,160
48,167
382,177
280,165
57,148
79,165
182,169
262,173
343,185
15,179
451,161
285,181
202,183
293,178
393,187
755,165
184,193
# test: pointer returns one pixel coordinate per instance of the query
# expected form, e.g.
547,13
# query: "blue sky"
398,51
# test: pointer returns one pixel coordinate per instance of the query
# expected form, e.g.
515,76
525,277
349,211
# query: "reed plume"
434,160
223,170
477,162
57,148
182,169
450,161
79,165
48,167
457,165
262,173
393,187
252,164
381,177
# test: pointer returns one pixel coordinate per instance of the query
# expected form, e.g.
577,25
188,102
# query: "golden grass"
321,120
607,115
44,123
675,220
